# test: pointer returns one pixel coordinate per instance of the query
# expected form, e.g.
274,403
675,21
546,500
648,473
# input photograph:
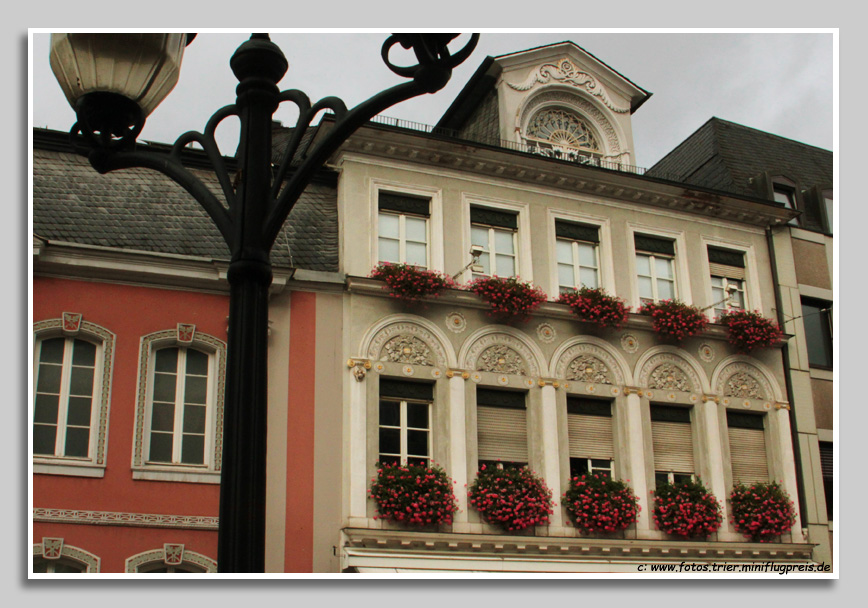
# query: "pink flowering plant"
762,511
511,498
598,504
686,509
594,305
511,300
674,320
750,331
410,283
414,494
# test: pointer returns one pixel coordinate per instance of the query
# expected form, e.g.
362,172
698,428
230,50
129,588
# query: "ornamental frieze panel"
484,346
669,372
588,368
567,73
501,359
583,106
589,363
407,343
744,381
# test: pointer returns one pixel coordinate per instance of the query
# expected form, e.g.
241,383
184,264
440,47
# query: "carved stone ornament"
501,359
706,352
546,333
52,548
407,349
669,377
472,359
570,100
173,554
587,368
566,72
630,343
186,332
455,322
71,323
743,385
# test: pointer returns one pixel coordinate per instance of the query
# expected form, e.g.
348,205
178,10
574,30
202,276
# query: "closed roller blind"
502,433
590,436
673,446
730,272
747,449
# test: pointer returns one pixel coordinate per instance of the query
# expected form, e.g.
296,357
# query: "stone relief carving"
669,377
406,349
472,359
584,106
587,368
742,384
501,359
566,72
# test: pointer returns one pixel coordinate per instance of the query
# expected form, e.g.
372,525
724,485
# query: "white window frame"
523,266
682,281
209,472
492,252
402,237
404,428
751,291
92,465
434,221
605,259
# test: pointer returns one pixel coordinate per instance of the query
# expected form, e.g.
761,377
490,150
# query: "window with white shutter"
672,441
747,448
501,425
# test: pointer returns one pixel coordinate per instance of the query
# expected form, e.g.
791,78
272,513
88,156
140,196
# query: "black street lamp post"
256,205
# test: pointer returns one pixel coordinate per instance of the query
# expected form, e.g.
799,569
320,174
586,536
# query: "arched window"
171,559
72,362
561,128
57,566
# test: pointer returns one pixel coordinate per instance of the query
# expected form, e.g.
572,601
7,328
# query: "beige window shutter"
502,433
747,449
590,436
673,446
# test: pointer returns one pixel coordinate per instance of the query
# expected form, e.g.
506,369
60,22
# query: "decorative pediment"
587,368
501,359
743,385
407,342
567,73
669,377
590,364
670,372
406,349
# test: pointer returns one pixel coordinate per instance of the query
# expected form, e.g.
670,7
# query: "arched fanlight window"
561,128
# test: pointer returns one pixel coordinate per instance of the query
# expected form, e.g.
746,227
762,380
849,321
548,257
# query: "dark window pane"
390,413
45,409
417,415
417,443
79,411
418,461
390,441
661,478
43,438
197,362
81,381
163,417
161,447
390,460
164,387
49,379
578,467
166,360
84,353
195,389
194,418
193,449
77,441
52,350
682,477
818,333
67,569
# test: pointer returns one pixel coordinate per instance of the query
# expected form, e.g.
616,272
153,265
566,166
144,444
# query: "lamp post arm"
104,161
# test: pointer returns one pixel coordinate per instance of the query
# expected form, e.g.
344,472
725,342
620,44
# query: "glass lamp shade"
143,68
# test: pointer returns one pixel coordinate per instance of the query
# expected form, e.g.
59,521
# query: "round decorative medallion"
706,353
408,370
502,380
726,400
746,404
671,396
649,394
476,377
379,367
529,382
436,373
767,406
616,390
591,388
546,333
630,343
694,398
456,322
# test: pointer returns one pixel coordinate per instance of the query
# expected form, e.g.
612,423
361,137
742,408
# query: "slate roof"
725,156
139,209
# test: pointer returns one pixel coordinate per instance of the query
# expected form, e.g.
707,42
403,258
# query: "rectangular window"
672,441
829,208
501,422
402,233
827,467
655,268
405,422
747,448
817,320
589,429
64,397
727,279
786,196
496,232
578,258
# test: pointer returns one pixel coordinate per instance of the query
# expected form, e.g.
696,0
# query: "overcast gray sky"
774,81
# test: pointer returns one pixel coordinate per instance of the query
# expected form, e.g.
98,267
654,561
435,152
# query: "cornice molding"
112,518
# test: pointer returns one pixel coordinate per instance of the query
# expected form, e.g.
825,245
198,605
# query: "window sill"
70,468
822,373
178,475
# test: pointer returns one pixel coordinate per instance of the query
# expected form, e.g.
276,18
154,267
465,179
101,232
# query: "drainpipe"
785,354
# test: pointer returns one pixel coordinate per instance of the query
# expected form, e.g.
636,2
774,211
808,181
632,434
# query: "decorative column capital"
711,398
633,390
782,406
359,367
550,382
459,373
